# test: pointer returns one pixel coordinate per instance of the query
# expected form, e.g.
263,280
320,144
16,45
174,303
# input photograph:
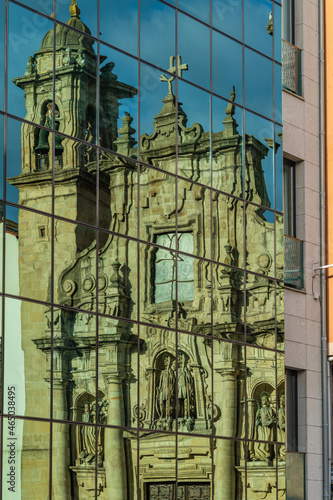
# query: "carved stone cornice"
229,373
62,177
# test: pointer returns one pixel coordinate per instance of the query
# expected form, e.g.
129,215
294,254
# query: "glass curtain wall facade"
142,251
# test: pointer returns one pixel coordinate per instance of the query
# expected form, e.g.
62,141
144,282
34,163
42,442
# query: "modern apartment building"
145,163
304,171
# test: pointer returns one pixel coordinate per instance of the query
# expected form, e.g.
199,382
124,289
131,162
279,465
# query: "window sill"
287,287
293,94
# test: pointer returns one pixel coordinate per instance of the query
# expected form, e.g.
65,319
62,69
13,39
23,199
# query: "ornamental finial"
74,9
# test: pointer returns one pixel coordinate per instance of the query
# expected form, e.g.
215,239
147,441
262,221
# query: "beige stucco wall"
302,308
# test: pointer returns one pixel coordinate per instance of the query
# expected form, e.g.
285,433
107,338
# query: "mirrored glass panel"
280,320
2,170
260,311
14,376
74,164
228,303
75,75
194,132
157,286
228,230
27,366
34,266
79,15
278,92
194,398
192,200
261,407
227,60
279,227
2,53
173,272
227,146
31,475
29,165
259,147
229,474
259,25
229,389
201,458
259,83
3,241
29,33
75,448
119,392
260,255
157,484
199,9
74,284
121,461
158,347
194,47
44,8
118,194
74,359
157,33
277,32
118,78
123,17
118,276
11,214
157,189
278,168
281,417
142,217
227,17
157,114
270,470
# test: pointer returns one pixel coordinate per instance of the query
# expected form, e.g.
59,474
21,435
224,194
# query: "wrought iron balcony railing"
291,68
293,262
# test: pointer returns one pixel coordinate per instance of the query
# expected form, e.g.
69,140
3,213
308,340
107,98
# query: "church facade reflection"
158,335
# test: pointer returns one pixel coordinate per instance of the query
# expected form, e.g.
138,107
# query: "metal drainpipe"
322,161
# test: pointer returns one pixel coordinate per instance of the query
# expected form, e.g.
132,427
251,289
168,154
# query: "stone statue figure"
264,431
281,426
43,141
185,392
165,390
87,436
88,441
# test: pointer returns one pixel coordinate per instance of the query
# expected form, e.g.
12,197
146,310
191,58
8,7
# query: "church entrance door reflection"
186,491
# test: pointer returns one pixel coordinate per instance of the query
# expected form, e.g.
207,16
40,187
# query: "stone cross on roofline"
173,69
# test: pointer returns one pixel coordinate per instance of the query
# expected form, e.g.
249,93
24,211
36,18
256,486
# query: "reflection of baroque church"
149,377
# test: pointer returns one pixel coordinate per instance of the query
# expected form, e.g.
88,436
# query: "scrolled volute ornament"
213,411
139,415
69,287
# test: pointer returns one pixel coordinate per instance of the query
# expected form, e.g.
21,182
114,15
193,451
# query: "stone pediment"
164,135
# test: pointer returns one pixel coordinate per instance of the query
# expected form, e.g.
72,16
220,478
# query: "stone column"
60,444
224,461
114,454
60,433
